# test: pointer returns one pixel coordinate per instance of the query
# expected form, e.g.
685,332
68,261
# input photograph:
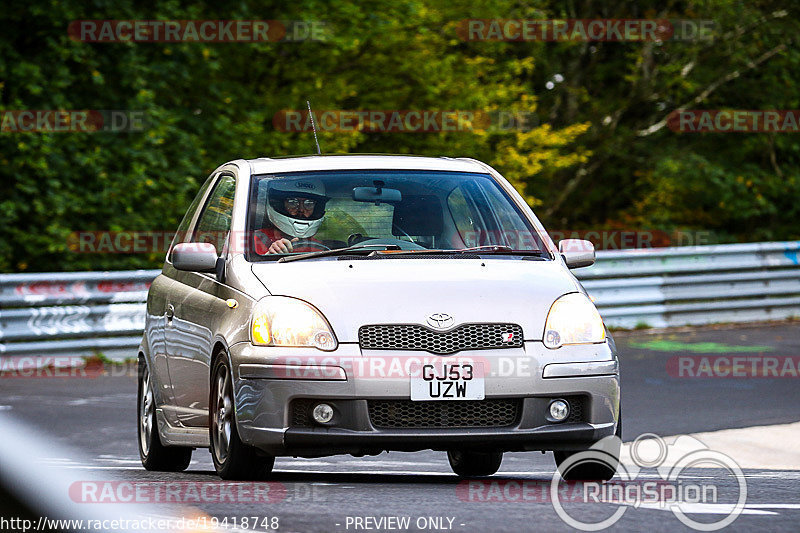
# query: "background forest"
596,153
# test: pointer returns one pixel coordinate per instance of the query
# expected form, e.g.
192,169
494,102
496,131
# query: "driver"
295,210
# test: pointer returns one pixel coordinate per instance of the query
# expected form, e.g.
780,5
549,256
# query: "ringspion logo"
676,489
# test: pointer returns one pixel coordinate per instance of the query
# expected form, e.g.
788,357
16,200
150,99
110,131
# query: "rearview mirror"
577,253
376,194
195,256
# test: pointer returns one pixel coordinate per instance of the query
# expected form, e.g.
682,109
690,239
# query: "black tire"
600,467
233,459
154,455
474,464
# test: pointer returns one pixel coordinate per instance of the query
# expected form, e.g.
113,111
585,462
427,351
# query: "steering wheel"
404,245
307,243
356,238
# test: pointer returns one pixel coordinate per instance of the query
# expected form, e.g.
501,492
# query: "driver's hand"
282,246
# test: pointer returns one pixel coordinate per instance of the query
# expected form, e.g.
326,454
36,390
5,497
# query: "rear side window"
215,221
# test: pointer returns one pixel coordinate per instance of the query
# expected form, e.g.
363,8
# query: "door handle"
170,312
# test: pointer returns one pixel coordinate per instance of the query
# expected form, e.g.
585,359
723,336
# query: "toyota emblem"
440,320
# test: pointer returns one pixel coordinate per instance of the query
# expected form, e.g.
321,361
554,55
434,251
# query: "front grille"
577,406
490,413
463,337
300,412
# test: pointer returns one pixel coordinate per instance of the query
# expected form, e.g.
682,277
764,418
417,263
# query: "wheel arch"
219,346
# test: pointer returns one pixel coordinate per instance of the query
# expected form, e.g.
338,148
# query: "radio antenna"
313,126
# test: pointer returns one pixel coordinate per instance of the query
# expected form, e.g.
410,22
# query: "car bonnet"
352,293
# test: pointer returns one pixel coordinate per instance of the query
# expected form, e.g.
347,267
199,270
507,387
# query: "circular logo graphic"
440,320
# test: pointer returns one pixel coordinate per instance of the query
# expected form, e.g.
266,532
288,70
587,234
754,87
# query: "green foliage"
586,165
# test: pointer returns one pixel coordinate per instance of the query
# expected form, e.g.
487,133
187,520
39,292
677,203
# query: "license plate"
447,381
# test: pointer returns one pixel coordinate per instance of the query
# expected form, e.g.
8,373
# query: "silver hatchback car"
322,305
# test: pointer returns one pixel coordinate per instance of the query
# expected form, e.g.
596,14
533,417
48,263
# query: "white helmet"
280,189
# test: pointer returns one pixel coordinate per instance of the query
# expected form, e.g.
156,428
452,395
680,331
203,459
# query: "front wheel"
154,455
233,459
599,465
474,464
595,469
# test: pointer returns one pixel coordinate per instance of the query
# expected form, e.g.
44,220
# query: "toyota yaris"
322,305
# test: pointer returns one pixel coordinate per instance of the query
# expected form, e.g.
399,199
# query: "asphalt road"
97,417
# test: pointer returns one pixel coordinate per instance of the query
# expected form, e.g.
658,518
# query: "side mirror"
195,257
577,253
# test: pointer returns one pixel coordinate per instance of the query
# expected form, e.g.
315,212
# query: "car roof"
266,165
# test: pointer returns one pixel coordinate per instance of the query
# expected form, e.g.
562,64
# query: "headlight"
573,319
281,321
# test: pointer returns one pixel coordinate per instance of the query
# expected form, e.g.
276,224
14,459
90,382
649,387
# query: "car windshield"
411,211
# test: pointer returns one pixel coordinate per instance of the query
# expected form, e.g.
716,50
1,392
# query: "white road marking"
94,467
363,472
794,474
704,508
773,505
775,447
119,460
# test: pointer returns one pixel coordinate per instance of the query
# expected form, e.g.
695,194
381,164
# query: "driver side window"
215,221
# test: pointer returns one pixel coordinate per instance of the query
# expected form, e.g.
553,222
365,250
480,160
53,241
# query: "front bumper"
265,399
329,441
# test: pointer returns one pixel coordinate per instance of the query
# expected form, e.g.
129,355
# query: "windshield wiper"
339,251
483,250
501,250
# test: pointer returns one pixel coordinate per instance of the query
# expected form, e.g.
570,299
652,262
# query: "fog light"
559,410
323,413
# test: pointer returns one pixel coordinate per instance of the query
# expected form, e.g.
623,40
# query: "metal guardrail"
73,313
666,287
83,313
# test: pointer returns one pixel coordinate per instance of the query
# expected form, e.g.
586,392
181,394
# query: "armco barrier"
84,313
665,287
74,313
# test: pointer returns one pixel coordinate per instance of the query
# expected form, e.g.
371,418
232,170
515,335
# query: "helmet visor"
302,206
